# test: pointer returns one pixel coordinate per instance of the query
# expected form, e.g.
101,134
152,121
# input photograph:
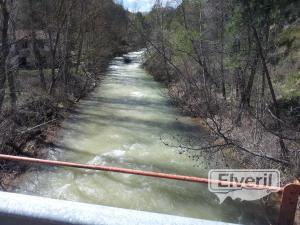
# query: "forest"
182,88
52,54
235,66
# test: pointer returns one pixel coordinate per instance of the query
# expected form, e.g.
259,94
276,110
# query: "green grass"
289,87
287,83
291,37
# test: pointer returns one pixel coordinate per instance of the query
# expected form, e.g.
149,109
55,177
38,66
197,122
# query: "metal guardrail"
290,193
18,209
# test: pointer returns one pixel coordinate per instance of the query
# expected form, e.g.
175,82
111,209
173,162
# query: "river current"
123,123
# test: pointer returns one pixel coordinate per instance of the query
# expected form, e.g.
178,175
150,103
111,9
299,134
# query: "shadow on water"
134,122
64,148
121,80
93,101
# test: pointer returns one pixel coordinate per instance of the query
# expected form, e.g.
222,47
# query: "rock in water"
127,59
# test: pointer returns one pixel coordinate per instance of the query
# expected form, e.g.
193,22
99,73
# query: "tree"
4,48
217,55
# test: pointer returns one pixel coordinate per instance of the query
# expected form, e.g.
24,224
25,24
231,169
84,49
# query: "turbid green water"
122,124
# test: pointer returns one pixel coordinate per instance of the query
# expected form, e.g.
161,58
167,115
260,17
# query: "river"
122,123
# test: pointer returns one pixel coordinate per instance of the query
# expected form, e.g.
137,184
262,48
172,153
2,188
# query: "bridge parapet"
17,209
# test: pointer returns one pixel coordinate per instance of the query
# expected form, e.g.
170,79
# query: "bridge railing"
19,209
289,199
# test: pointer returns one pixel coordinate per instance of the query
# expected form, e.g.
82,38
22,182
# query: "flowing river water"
122,123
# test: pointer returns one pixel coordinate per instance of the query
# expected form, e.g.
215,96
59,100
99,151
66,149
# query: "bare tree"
4,48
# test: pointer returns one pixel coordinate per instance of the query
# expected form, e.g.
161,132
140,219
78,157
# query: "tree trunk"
12,66
246,93
38,61
263,85
12,90
67,56
54,44
53,49
223,85
36,50
79,53
5,50
284,149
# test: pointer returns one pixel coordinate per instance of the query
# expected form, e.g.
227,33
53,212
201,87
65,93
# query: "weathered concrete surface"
16,209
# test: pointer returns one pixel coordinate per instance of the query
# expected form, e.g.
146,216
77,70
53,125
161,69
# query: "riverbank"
31,130
247,144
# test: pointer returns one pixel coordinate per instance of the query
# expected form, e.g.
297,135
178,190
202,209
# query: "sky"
143,5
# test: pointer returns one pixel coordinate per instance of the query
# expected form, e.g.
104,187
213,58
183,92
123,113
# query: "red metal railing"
290,192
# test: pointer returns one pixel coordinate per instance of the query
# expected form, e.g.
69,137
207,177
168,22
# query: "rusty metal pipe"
135,172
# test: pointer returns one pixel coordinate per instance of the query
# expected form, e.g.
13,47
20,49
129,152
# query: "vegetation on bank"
236,65
53,53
